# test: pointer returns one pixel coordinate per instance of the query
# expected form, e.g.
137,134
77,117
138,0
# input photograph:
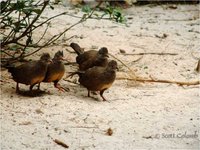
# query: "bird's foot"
104,99
94,92
62,89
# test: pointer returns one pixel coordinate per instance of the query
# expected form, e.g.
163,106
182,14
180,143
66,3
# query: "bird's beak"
106,55
117,68
50,61
64,59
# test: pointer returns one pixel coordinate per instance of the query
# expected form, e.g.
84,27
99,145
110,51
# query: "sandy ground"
153,116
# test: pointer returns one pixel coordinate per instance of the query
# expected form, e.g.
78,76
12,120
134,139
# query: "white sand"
142,116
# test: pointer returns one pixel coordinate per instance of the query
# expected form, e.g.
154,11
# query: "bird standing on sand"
56,70
90,58
98,78
30,73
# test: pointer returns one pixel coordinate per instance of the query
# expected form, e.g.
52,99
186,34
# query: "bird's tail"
79,73
77,48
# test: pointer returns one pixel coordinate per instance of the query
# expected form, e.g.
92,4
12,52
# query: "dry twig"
84,127
132,72
61,143
151,54
161,81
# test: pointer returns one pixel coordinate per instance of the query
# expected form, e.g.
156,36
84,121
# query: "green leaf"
19,5
37,11
95,14
27,10
23,24
86,9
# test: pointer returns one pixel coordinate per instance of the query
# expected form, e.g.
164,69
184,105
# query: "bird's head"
46,58
58,56
112,65
103,52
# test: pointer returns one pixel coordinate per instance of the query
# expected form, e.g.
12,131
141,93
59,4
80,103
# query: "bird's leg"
17,88
31,92
56,85
101,93
94,92
38,89
88,93
38,86
31,87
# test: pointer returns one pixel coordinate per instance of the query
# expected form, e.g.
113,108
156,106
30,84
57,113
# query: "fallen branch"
134,61
61,143
150,54
161,81
133,73
84,127
189,19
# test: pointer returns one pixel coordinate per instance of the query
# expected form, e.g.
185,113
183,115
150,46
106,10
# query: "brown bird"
56,70
30,73
90,58
98,78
